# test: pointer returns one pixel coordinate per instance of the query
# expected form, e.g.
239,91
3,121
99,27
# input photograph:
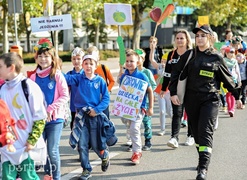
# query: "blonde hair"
153,38
93,50
131,52
188,38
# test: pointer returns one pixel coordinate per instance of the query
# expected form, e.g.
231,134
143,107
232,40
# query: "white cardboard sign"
118,14
129,97
51,23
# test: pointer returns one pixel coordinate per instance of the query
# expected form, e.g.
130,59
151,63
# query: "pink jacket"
61,97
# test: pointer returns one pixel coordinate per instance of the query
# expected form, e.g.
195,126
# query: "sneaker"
147,146
189,141
231,113
136,158
129,142
243,107
129,149
184,123
173,143
105,164
161,133
38,167
223,109
48,177
85,175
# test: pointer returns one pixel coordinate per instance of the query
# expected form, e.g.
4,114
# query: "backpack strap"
104,70
25,88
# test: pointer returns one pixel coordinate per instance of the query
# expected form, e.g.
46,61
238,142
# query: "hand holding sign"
169,9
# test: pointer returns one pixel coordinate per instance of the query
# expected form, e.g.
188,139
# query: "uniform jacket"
204,73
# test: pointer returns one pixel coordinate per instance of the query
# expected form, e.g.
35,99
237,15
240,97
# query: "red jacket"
7,123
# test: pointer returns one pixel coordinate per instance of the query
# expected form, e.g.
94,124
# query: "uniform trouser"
243,91
202,111
176,119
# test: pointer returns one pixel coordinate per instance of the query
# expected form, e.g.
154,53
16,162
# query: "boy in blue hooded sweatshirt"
91,99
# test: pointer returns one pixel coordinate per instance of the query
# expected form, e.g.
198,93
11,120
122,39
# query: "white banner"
118,14
51,23
129,97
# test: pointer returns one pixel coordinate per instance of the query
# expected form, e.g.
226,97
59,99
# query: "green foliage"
66,55
104,55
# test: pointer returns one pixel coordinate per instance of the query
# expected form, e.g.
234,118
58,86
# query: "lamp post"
16,36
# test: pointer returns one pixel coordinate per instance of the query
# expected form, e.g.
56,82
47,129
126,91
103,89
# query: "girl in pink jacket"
53,84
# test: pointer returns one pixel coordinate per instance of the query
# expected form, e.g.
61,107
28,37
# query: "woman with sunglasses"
205,71
182,43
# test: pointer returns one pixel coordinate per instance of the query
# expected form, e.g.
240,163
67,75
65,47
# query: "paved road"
228,161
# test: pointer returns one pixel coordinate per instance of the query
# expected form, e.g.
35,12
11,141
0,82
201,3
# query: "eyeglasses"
231,52
201,35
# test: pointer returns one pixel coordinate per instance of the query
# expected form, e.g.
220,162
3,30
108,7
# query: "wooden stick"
155,29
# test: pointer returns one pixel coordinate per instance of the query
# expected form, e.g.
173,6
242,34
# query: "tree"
4,25
31,8
139,7
221,13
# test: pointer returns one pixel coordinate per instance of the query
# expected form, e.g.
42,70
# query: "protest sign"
118,14
129,97
51,23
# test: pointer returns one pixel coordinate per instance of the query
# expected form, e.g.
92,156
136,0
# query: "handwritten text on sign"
51,23
129,97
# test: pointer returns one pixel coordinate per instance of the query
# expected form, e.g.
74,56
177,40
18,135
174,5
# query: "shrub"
66,55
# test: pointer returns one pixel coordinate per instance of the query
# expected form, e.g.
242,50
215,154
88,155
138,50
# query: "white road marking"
79,170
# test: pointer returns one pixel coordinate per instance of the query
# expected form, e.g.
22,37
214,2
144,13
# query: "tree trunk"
137,25
228,23
27,33
5,29
96,38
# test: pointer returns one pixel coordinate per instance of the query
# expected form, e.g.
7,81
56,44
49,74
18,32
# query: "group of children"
234,55
39,112
87,86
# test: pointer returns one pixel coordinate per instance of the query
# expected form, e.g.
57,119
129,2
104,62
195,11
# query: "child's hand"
48,119
162,94
149,112
92,113
153,45
29,147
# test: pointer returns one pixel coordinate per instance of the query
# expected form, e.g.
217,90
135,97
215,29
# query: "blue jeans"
89,136
52,134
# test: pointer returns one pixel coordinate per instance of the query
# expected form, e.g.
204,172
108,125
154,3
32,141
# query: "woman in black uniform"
204,73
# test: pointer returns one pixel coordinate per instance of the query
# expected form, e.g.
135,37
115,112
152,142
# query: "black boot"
201,174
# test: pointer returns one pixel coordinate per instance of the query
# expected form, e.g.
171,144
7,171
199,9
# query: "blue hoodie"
90,93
